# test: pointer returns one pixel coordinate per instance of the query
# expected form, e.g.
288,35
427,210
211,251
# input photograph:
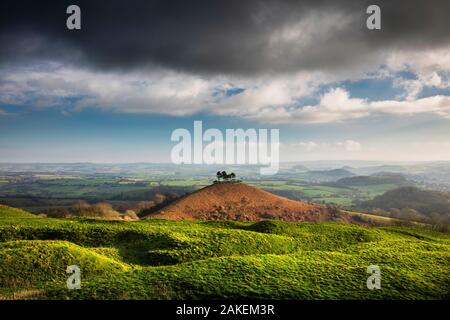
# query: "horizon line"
224,164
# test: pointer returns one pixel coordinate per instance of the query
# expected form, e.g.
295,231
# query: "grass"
366,216
334,200
376,190
159,259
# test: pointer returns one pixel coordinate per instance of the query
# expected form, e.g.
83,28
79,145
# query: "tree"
224,175
219,175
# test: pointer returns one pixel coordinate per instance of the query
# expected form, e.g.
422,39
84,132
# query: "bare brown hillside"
239,201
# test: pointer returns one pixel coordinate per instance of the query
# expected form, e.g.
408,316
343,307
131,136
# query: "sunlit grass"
159,259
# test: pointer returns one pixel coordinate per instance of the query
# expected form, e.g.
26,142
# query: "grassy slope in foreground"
158,259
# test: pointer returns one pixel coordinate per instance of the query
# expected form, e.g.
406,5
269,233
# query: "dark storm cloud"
218,37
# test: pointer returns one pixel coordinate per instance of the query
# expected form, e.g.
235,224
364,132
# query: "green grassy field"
159,259
341,196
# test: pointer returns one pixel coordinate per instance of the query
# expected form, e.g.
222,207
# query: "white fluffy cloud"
431,68
263,98
168,93
337,106
161,91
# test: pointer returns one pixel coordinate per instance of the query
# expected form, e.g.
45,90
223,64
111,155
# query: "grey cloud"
218,37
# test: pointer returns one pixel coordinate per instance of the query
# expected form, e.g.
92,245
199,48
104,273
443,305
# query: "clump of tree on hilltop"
225,177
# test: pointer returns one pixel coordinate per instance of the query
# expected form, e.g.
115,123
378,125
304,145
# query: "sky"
115,90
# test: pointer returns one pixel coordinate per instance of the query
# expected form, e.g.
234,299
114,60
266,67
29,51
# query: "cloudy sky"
116,89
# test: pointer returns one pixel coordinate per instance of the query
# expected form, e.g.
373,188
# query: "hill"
375,179
8,212
423,201
299,168
162,259
239,201
326,175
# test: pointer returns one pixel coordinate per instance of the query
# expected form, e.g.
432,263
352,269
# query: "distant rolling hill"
375,179
239,201
326,175
300,168
424,201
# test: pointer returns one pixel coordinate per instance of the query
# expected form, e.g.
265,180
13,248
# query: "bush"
130,215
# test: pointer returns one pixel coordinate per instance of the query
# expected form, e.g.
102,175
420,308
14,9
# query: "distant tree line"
411,203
